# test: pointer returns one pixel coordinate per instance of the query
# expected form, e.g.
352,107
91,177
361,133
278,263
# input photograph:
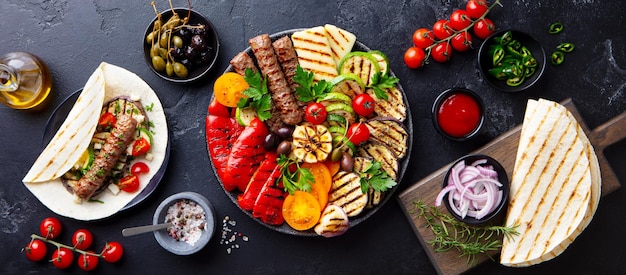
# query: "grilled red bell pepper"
268,206
221,134
245,156
265,172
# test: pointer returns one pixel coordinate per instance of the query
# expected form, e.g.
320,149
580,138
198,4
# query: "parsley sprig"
308,89
258,96
299,179
380,82
375,177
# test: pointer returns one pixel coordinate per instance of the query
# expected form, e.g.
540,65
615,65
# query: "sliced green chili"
529,71
555,28
498,55
557,58
515,81
565,47
506,38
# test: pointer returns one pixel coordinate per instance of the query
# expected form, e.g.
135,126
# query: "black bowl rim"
502,177
540,56
212,30
445,94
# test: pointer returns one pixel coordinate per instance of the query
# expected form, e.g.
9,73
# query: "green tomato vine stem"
464,30
59,245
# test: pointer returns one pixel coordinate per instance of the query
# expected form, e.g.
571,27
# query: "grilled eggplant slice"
383,154
361,164
393,106
390,132
346,193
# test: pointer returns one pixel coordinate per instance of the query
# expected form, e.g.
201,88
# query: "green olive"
336,154
177,41
169,68
154,50
180,70
163,53
149,37
158,63
164,40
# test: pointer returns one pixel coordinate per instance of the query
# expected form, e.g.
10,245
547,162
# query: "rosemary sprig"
451,233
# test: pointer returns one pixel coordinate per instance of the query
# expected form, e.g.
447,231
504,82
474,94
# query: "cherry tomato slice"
82,239
107,120
363,104
358,133
315,113
139,168
414,57
112,252
50,228
129,183
87,262
228,89
36,250
140,147
62,258
301,210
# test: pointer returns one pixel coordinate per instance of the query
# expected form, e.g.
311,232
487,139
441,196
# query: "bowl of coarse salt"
193,223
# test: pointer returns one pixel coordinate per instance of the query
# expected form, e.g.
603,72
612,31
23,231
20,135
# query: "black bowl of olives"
181,45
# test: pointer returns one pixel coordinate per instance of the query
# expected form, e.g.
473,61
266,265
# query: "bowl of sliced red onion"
475,189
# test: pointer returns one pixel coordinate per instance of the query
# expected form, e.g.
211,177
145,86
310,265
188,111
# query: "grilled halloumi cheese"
341,41
554,187
314,53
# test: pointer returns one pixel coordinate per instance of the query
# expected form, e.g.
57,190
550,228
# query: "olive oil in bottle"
25,80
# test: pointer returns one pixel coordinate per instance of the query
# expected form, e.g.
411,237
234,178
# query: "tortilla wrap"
73,138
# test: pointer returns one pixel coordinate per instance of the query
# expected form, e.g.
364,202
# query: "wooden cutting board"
503,149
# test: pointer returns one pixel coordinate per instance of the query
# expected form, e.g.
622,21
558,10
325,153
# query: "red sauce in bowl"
459,115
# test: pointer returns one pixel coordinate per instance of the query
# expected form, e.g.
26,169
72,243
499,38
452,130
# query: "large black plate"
358,46
58,117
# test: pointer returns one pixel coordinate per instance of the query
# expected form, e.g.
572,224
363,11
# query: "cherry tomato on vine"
476,8
129,183
87,262
50,228
414,57
139,168
442,29
112,252
441,52
462,42
358,133
315,113
36,250
484,28
459,19
62,258
363,104
82,239
423,37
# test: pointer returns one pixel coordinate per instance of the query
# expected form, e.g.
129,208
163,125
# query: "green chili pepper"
565,47
525,51
555,28
515,44
511,50
506,38
498,55
529,71
529,61
557,58
515,81
497,73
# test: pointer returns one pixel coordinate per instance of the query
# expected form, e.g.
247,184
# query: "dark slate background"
73,37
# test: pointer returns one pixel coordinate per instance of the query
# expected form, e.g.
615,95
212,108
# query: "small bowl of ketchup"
458,114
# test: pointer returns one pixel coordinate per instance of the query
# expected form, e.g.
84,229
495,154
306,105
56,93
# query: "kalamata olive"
336,154
158,63
284,147
198,42
177,41
180,70
347,162
270,142
284,132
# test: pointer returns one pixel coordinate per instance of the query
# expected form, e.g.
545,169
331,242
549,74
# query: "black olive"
270,142
198,42
347,162
284,132
284,148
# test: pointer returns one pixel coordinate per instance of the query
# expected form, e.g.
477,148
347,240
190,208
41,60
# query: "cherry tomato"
129,183
62,258
87,262
228,89
476,8
82,239
442,29
301,210
36,250
107,120
218,109
358,133
459,19
423,37
315,113
139,168
140,147
484,28
363,104
441,52
112,252
50,228
462,42
414,57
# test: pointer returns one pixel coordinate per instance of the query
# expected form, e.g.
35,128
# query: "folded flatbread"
555,186
74,136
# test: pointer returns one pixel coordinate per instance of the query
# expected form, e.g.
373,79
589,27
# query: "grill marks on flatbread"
554,188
